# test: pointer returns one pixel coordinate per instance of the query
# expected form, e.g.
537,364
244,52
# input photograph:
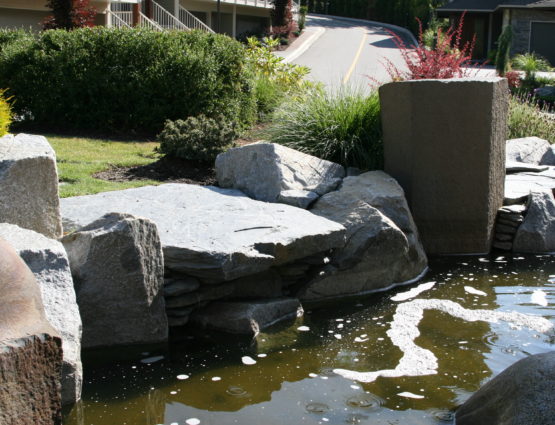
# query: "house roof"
493,5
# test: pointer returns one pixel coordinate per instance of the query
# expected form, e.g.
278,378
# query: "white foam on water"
403,296
154,359
216,378
539,297
182,377
337,336
359,339
474,291
303,328
410,395
262,355
417,361
247,360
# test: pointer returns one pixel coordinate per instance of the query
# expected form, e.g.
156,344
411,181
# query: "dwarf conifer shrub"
197,138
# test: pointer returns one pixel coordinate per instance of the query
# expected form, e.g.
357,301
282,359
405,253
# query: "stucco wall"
521,27
13,18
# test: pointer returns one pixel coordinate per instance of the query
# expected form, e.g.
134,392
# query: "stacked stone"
509,218
185,294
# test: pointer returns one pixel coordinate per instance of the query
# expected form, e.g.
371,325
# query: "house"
232,17
532,22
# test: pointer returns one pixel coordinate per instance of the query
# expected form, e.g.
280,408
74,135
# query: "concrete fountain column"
444,142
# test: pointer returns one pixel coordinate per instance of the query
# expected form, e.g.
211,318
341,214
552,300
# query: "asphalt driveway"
349,52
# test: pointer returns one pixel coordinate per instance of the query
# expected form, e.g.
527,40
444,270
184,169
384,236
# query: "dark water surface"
203,379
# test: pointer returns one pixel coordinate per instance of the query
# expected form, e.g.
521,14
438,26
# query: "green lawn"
79,158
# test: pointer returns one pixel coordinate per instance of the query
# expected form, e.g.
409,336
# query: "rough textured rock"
530,150
382,247
274,173
520,395
117,266
374,257
29,184
48,261
267,284
537,232
519,167
549,157
518,186
183,285
30,348
205,293
247,317
429,155
212,233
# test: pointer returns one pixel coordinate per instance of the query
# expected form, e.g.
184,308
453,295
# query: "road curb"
305,45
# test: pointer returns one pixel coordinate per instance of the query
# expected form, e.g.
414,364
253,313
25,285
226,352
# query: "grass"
527,118
342,127
79,158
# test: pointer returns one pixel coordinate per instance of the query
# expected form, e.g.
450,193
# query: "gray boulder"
117,266
382,247
212,233
530,150
48,261
246,317
29,184
274,173
546,91
520,395
30,348
537,232
549,157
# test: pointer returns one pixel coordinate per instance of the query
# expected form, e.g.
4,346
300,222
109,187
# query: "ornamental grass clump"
342,127
446,59
527,118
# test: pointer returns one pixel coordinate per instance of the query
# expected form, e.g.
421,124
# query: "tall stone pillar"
444,142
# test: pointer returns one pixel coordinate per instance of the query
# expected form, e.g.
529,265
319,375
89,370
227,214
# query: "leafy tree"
69,14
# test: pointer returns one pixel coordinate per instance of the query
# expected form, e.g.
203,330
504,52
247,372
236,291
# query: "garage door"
542,40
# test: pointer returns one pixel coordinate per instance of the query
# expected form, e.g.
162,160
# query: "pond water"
306,372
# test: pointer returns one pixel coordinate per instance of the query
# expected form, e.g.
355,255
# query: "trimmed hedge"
125,80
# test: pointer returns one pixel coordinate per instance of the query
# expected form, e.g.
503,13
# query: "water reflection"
293,382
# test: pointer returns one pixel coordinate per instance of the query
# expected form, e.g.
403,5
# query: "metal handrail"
191,21
123,16
144,21
116,21
165,19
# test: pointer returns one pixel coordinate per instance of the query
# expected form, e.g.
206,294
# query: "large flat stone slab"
212,233
518,186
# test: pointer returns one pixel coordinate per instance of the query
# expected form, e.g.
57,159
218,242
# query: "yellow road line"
355,60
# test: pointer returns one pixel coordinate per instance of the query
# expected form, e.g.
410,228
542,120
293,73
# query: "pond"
307,372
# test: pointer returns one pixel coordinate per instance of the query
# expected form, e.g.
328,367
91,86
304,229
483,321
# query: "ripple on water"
317,408
365,401
236,391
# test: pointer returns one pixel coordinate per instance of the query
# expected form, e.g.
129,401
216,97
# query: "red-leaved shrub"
445,60
69,14
513,78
